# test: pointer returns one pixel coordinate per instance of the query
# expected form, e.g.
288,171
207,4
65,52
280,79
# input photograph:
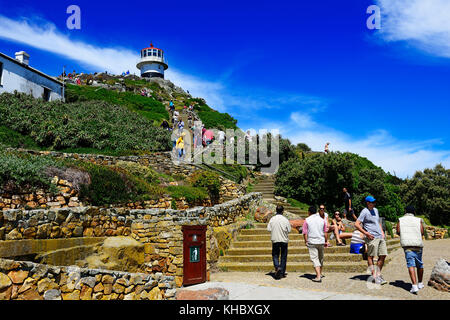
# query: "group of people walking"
368,238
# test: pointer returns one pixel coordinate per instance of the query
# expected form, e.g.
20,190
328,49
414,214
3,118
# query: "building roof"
30,68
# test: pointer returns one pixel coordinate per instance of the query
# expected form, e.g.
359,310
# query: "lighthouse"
152,63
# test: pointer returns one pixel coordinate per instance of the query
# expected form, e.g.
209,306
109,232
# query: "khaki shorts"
376,248
316,254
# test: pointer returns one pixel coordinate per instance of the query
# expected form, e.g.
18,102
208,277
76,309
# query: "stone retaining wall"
30,281
159,229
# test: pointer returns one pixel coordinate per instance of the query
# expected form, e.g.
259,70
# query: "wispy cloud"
424,24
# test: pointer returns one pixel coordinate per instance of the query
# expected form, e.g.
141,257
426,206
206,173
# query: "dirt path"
395,273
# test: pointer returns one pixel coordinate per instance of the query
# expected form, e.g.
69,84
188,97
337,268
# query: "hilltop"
105,114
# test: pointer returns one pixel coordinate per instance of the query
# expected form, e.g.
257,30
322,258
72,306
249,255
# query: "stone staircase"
252,252
265,185
252,249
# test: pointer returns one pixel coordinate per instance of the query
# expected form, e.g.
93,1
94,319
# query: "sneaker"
414,289
380,280
420,285
278,274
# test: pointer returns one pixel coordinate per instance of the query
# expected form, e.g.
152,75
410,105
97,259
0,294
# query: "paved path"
246,285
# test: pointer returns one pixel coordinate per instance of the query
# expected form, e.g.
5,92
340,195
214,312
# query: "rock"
440,276
75,295
18,277
297,224
5,281
52,294
263,214
207,294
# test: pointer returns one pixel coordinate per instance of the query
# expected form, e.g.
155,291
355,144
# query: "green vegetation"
212,118
297,204
207,179
236,170
90,124
25,171
429,192
14,139
320,178
147,107
191,194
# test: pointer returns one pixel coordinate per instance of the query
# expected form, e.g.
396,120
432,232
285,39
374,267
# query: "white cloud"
424,24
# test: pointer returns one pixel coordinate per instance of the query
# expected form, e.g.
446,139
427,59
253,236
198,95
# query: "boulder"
207,294
263,214
440,276
297,224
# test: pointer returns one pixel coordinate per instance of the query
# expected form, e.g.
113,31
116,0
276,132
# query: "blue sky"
311,69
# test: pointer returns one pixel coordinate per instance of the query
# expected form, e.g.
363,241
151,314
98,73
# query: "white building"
152,63
16,74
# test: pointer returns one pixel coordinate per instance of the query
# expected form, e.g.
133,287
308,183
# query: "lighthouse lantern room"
152,63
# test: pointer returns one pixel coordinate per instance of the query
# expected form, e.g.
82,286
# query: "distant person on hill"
314,231
171,106
279,227
181,125
180,145
339,229
165,125
369,224
349,213
327,150
410,229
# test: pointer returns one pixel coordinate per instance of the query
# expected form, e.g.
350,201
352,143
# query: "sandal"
315,280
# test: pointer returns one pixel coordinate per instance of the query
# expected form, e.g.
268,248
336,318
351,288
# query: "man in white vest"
410,229
315,234
279,226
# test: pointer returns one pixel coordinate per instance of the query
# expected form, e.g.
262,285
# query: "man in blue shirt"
369,224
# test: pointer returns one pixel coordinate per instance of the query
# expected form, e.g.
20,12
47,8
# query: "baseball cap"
370,199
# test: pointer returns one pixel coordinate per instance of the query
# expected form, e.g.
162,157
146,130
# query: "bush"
207,179
320,178
429,192
191,194
144,172
25,170
91,124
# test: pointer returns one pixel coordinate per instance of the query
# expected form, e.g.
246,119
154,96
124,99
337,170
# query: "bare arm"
364,232
398,228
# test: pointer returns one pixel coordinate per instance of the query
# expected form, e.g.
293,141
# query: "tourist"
410,229
171,106
349,213
180,145
279,227
324,216
369,224
358,243
327,150
165,125
181,125
315,235
339,228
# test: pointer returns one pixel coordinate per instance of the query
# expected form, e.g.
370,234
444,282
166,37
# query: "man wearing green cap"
369,224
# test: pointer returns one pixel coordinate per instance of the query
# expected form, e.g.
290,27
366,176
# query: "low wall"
31,281
158,229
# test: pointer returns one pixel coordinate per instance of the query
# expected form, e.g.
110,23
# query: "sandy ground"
395,273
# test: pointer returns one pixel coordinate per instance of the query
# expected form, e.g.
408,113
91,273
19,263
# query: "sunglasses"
322,208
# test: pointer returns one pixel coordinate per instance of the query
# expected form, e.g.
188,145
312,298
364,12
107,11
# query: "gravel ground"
395,273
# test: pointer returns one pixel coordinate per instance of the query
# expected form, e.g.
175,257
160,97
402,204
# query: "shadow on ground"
401,284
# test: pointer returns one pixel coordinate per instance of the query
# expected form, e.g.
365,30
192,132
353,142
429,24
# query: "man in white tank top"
410,229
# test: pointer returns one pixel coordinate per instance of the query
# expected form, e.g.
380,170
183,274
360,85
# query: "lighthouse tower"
152,63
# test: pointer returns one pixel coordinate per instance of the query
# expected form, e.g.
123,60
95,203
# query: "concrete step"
346,267
260,231
304,257
267,250
266,237
292,243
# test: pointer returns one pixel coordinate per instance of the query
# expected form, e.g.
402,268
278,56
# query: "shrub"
207,179
320,178
191,194
144,172
91,124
